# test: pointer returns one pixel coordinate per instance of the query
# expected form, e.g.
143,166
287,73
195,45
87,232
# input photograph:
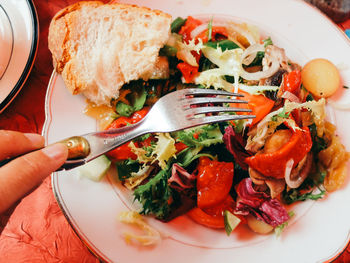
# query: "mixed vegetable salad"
240,172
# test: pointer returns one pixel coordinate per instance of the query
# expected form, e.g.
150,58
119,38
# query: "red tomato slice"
212,217
214,182
259,104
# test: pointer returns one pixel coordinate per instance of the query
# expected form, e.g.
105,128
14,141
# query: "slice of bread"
98,47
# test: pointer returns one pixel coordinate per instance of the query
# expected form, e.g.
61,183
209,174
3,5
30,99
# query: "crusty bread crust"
98,47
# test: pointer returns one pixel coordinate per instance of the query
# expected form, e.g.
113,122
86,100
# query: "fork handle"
82,149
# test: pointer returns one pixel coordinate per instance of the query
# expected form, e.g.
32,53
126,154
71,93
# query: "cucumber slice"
95,169
231,222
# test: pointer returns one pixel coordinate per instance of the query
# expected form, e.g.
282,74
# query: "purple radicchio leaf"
259,204
235,145
180,179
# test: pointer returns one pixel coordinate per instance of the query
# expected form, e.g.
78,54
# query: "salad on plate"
230,173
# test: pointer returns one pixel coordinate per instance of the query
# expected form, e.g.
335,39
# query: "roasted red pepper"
187,28
216,31
259,104
292,81
274,164
123,121
121,153
214,216
124,152
180,146
188,72
214,182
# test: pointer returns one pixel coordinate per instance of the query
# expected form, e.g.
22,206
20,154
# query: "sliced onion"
261,74
199,29
250,53
290,96
297,175
242,32
288,170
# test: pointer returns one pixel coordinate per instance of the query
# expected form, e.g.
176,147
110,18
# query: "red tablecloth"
37,231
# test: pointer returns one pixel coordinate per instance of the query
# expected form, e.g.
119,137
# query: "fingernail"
55,151
35,139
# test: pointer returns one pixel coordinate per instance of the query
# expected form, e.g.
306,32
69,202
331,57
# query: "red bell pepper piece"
292,81
124,152
187,28
259,104
274,164
180,146
189,72
214,216
216,30
214,181
123,121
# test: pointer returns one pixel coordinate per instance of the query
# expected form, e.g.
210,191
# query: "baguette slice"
98,47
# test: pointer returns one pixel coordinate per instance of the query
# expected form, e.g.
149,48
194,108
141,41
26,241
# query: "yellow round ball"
320,77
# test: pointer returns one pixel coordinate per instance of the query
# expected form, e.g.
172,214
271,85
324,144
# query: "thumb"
21,175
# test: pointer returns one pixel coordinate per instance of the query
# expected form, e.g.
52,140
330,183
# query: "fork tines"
209,102
214,100
198,91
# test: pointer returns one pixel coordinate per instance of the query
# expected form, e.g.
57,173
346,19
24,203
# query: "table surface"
37,231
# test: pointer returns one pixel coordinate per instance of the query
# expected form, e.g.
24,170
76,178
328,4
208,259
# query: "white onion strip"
242,32
250,53
290,96
199,29
288,170
275,65
296,178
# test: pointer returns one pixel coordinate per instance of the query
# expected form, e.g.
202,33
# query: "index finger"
14,143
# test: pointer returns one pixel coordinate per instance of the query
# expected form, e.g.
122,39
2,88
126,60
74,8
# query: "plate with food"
273,188
19,35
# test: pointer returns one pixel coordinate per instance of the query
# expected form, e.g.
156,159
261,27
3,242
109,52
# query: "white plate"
19,34
318,232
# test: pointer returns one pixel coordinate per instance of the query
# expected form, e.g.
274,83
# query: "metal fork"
175,111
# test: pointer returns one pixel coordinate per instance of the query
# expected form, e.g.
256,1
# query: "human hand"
23,174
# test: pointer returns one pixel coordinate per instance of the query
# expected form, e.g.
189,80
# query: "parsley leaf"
125,168
267,42
294,195
202,136
154,195
282,114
